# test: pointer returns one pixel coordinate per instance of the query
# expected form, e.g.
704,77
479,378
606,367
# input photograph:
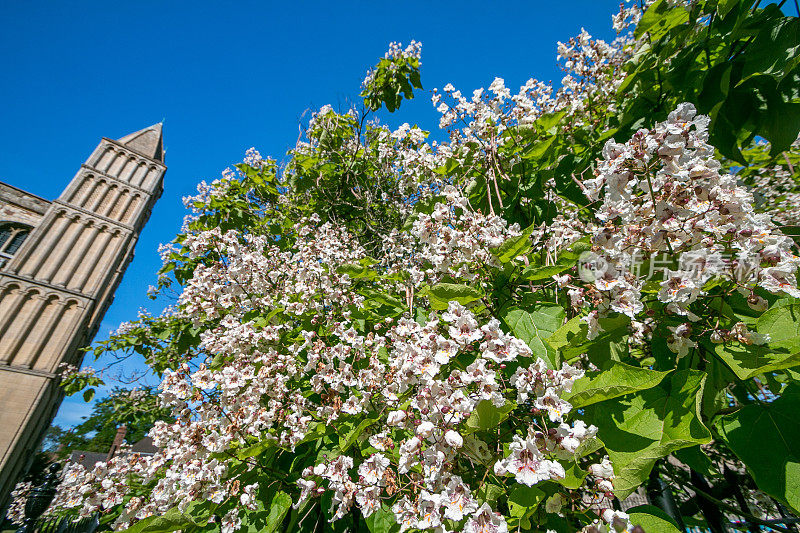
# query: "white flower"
679,342
556,407
454,311
425,429
618,520
372,469
408,455
368,500
603,469
452,438
396,418
428,509
485,520
248,496
562,280
527,463
307,487
231,521
594,325
457,500
465,329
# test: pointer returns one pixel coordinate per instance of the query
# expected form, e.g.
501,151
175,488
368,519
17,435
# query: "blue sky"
225,76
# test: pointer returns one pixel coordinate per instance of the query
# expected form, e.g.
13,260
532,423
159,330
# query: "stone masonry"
57,285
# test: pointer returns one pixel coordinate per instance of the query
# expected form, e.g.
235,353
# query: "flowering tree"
505,331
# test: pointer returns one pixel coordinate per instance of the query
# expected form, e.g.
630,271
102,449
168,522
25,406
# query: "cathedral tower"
60,263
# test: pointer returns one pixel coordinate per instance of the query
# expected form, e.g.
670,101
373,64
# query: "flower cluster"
776,186
101,487
425,438
419,383
397,72
454,239
16,509
593,72
206,192
662,191
68,371
396,50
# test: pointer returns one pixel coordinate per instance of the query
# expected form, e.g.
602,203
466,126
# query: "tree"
388,334
53,436
136,409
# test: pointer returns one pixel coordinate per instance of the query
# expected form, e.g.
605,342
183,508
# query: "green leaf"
381,297
573,476
651,518
566,334
357,271
352,435
724,7
696,459
477,450
539,272
766,437
782,324
570,340
88,395
442,294
318,432
534,326
487,416
281,503
523,500
659,18
382,521
750,361
549,120
620,379
538,149
257,449
515,246
171,520
524,496
643,427
489,493
775,49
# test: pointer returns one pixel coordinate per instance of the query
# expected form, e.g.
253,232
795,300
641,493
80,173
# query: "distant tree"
53,437
137,409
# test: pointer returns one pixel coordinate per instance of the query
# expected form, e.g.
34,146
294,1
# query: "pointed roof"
147,141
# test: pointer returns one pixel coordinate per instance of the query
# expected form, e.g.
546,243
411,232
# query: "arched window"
12,235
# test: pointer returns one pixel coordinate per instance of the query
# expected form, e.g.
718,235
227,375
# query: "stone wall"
20,206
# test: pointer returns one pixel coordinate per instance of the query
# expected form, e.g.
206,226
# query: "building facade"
60,262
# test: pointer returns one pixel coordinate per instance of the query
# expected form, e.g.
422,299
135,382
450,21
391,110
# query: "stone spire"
57,285
147,142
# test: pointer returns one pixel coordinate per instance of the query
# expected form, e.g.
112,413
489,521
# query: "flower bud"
396,418
605,485
757,303
452,438
602,470
425,429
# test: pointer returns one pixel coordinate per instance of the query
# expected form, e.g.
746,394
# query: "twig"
738,512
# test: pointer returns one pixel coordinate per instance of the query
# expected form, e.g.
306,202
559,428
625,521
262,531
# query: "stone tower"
60,263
